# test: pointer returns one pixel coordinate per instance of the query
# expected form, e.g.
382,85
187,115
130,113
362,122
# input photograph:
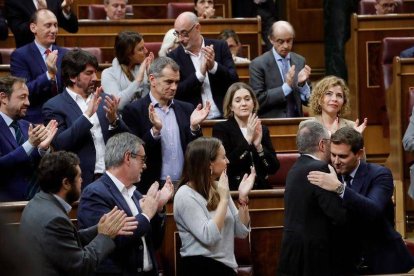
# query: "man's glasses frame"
184,33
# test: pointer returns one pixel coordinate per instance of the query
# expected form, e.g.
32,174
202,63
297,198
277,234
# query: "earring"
211,171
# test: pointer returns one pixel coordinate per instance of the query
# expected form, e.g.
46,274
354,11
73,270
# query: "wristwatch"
340,189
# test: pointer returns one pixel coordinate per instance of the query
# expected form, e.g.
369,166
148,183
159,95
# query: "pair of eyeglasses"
143,157
184,33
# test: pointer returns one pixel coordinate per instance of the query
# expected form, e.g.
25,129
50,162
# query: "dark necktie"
53,84
18,132
347,180
290,99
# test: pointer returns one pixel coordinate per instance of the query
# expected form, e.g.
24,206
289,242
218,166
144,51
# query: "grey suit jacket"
408,143
266,81
55,241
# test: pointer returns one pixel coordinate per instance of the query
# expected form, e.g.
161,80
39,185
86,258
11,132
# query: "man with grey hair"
165,124
311,213
280,77
206,65
124,161
115,9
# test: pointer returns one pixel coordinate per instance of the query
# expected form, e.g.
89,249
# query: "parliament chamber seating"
286,161
97,11
368,7
5,54
174,9
96,51
391,47
153,47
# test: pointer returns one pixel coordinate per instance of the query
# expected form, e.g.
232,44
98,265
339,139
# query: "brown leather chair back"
391,47
286,161
368,7
243,256
175,9
5,54
153,47
97,11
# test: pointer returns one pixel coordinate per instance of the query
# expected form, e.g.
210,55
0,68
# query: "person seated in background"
329,103
4,28
39,63
127,77
408,144
385,6
206,66
115,9
46,228
246,141
21,143
204,9
234,44
280,77
205,214
169,43
124,161
18,15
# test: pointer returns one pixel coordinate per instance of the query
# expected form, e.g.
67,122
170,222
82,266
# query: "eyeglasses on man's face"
142,157
184,33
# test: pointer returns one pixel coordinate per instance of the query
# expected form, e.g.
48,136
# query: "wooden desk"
398,160
266,213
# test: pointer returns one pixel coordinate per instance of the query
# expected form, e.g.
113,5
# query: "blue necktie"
290,99
347,180
18,132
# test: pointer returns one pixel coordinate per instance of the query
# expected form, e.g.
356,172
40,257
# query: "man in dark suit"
206,65
310,212
18,14
39,63
47,230
367,196
125,160
21,144
86,117
165,124
279,77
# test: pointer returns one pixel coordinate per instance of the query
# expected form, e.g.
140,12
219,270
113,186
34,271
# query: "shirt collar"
6,119
279,57
191,53
75,96
352,174
41,48
64,204
120,186
157,104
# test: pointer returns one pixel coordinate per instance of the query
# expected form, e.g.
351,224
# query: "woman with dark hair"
245,139
127,77
206,216
204,9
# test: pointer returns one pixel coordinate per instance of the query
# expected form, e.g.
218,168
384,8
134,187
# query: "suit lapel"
119,199
71,103
359,179
7,133
37,57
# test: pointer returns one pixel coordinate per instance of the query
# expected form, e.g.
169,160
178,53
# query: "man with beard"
366,191
86,117
125,160
21,143
47,230
39,63
206,65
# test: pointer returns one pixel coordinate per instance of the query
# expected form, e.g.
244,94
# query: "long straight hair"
198,157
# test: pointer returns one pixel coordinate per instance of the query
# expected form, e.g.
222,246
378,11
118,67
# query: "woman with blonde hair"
329,103
206,216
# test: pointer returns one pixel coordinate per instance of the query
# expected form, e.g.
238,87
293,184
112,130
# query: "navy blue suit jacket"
99,198
74,130
16,167
136,117
27,62
189,89
18,15
371,214
407,53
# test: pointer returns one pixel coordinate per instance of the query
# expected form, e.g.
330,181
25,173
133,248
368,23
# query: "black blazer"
242,155
135,115
18,15
189,88
310,215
